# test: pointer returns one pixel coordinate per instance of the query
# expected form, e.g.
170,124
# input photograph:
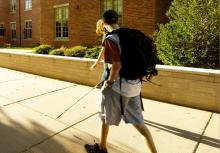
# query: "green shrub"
93,52
76,51
59,51
43,49
191,38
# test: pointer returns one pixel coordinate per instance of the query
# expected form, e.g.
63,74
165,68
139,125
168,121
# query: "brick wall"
145,15
13,17
35,16
9,17
82,20
4,8
3,16
140,14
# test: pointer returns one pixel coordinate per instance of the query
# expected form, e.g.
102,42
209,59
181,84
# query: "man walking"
118,93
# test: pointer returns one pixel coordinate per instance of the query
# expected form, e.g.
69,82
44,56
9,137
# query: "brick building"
72,22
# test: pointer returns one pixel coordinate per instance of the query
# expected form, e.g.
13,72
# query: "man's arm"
114,73
112,56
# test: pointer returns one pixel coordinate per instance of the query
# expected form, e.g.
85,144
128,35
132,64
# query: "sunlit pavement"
31,120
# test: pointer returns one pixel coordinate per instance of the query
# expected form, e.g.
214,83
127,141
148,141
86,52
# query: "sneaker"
94,149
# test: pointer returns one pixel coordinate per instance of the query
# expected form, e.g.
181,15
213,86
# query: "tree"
191,37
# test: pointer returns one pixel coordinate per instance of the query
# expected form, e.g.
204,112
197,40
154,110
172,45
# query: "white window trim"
30,20
29,9
62,39
12,12
61,5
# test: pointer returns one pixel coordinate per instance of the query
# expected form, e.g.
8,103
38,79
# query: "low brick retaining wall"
192,87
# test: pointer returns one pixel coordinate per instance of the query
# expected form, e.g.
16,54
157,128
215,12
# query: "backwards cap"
110,17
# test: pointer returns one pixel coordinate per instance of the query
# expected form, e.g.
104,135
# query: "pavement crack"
201,136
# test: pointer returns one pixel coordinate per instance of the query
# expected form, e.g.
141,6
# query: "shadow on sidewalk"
26,135
185,134
18,138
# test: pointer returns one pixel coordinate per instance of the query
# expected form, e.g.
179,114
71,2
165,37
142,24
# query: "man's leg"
146,133
102,147
104,135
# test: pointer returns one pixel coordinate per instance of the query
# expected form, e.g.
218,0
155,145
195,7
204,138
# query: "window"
13,30
115,5
2,30
13,5
28,4
28,30
61,18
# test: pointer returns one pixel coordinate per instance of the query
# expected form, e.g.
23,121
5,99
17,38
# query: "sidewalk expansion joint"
13,80
19,101
53,135
7,98
203,132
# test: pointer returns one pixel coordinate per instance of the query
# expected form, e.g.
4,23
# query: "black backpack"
138,57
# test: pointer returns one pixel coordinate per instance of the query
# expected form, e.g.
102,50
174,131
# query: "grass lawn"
17,48
20,48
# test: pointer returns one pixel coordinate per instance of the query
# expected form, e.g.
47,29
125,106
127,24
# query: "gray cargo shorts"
110,109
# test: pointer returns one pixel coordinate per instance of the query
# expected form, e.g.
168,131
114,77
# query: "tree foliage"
191,38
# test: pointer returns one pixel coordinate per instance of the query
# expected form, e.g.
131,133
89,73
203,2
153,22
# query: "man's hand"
107,84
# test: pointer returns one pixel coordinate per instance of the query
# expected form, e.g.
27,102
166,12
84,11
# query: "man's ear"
106,27
105,30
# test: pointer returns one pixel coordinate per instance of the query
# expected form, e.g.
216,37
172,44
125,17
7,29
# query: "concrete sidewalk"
30,105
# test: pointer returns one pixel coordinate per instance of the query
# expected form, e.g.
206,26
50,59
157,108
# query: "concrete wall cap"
180,69
49,56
